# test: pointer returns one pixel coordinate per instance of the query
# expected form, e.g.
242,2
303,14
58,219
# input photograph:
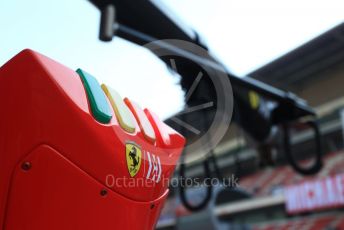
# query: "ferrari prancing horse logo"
133,154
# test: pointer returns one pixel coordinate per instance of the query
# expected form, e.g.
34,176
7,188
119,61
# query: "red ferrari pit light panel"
74,154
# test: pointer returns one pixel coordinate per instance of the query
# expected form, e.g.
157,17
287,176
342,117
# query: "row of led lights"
123,109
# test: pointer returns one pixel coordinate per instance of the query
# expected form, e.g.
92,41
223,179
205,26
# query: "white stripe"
155,168
150,165
159,175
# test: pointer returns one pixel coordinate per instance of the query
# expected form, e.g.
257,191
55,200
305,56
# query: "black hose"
182,189
316,167
207,178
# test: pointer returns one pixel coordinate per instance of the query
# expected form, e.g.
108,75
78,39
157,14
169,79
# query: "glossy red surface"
45,118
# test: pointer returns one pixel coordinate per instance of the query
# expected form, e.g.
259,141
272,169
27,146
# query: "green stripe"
96,97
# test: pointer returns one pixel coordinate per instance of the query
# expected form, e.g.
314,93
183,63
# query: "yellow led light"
122,112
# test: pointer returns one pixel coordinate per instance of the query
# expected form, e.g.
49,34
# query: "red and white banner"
317,194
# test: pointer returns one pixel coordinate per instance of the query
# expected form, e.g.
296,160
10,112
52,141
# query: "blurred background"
295,46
